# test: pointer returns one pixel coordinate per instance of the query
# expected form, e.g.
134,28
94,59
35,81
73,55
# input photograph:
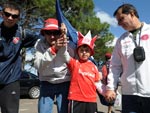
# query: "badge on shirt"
145,37
16,40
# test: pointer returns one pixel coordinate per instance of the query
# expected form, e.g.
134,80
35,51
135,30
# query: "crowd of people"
69,75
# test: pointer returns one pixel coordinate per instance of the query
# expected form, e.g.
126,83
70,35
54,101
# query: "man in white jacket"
131,59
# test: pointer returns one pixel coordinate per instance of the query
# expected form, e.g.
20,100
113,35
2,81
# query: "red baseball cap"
108,55
50,24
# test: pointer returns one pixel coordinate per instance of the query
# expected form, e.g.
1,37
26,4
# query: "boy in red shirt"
84,74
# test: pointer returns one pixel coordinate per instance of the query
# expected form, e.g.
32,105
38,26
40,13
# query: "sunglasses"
9,14
47,32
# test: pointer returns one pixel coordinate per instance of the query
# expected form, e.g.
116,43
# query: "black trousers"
9,97
135,104
82,107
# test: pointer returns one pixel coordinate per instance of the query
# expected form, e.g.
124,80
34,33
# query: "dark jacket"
10,58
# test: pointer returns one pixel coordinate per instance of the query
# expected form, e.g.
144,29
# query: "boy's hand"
62,41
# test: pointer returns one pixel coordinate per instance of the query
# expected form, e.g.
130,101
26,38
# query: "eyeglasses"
48,32
9,14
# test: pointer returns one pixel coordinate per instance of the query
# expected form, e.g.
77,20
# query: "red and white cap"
108,55
50,24
86,40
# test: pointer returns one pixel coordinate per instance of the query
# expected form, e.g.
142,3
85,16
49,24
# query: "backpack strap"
21,32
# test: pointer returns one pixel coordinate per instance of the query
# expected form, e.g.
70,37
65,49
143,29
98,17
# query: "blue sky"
105,8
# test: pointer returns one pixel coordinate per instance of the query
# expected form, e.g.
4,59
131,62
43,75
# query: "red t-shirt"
83,78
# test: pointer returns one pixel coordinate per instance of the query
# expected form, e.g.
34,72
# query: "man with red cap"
84,74
53,72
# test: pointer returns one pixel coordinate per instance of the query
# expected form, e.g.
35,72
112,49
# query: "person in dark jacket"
11,43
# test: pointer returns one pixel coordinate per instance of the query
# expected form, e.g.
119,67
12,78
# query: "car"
29,85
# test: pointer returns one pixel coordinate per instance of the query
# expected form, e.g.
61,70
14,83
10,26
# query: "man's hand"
110,95
62,40
63,28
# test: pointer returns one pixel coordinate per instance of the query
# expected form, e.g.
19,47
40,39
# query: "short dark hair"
126,9
11,5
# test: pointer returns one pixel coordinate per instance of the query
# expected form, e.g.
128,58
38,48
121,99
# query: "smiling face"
84,52
10,16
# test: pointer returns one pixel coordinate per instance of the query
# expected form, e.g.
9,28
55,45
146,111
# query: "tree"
101,46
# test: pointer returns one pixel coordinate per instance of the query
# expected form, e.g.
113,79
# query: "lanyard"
134,39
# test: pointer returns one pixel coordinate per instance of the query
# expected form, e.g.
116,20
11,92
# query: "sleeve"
101,88
64,53
115,68
29,38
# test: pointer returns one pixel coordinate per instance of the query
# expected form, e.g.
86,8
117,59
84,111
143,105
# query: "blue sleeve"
29,38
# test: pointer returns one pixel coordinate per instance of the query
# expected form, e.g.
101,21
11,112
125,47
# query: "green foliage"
46,8
101,46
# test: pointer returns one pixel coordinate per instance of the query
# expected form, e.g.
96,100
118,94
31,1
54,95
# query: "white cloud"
105,17
113,43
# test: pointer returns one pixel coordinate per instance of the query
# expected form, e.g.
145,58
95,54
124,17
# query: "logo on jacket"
16,40
145,37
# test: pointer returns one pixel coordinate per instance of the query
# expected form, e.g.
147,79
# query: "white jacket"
135,77
51,67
